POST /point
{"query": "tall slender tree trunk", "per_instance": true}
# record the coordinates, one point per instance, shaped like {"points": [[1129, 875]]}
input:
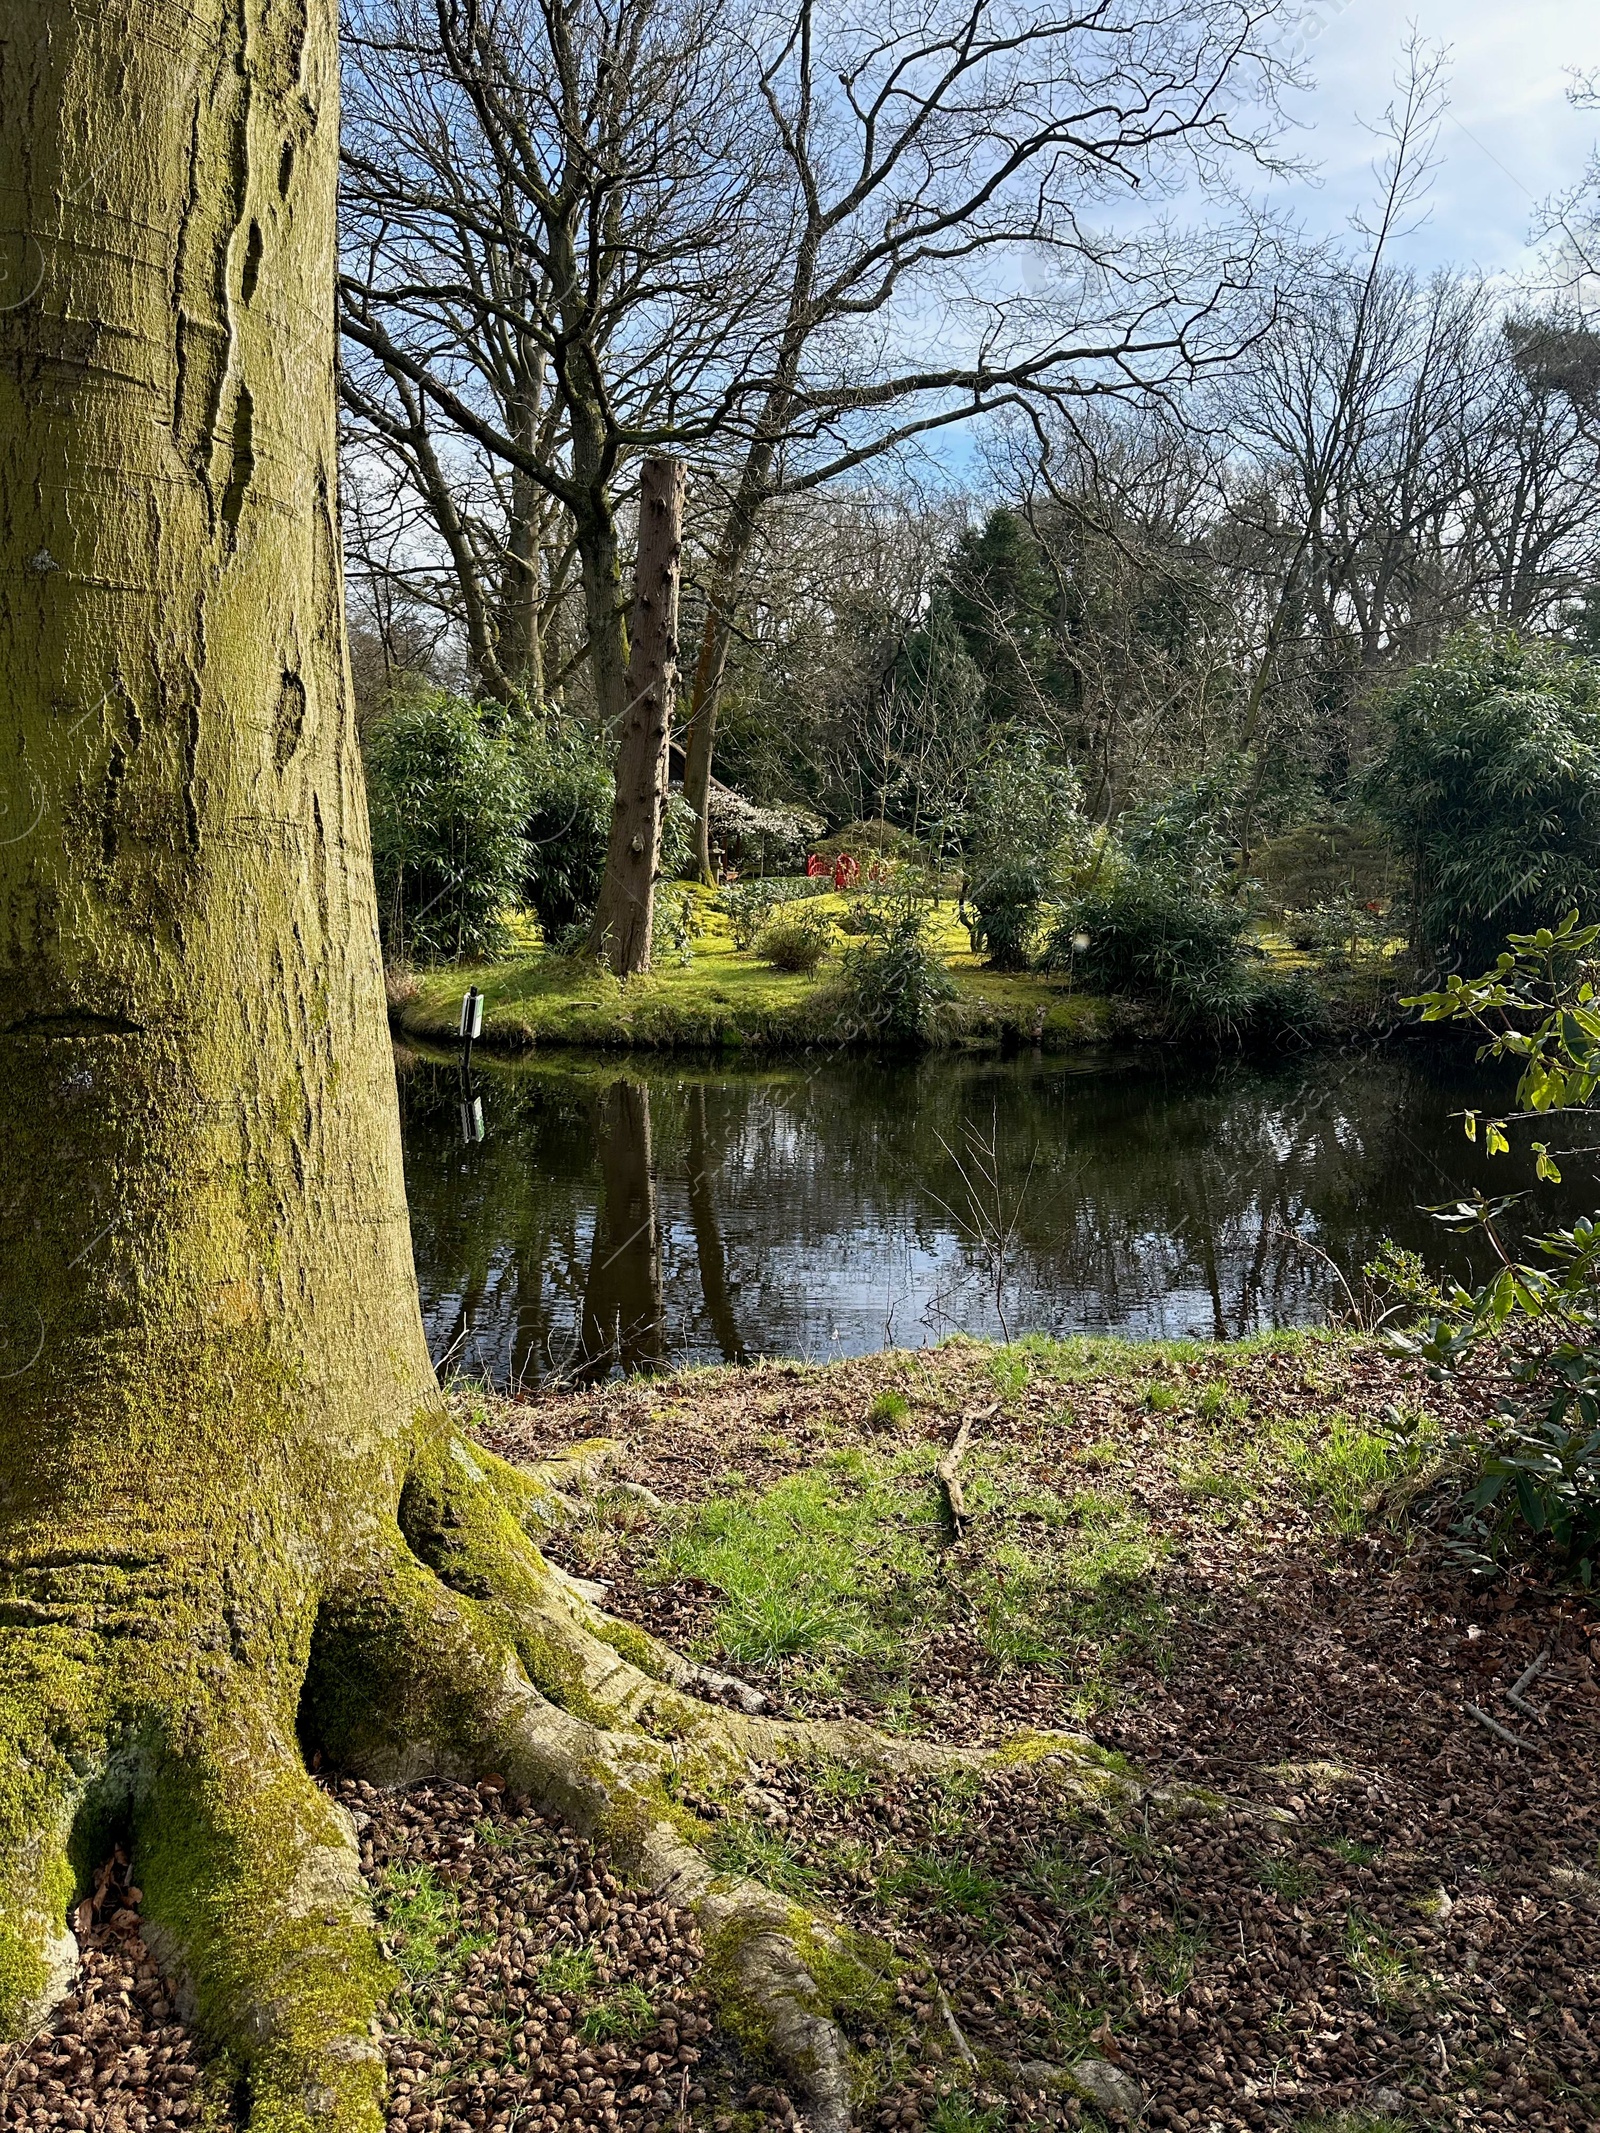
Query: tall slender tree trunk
{"points": [[711, 667], [623, 915], [520, 645]]}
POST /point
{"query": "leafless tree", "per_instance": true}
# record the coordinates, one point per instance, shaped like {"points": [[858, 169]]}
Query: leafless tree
{"points": [[931, 146], [782, 243]]}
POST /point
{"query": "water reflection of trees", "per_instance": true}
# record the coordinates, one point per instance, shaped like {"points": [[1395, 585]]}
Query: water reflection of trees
{"points": [[643, 1217]]}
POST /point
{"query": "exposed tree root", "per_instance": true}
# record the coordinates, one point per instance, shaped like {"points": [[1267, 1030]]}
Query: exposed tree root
{"points": [[450, 1646]]}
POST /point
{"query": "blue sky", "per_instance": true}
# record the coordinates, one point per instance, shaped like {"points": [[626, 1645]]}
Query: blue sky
{"points": [[1512, 136]]}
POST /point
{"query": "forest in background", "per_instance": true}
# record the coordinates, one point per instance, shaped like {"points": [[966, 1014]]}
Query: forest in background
{"points": [[1064, 546]]}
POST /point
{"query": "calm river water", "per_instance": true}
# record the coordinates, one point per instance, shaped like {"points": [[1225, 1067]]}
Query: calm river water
{"points": [[620, 1215]]}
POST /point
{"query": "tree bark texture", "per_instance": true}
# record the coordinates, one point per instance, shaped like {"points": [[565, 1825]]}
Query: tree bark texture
{"points": [[623, 915]]}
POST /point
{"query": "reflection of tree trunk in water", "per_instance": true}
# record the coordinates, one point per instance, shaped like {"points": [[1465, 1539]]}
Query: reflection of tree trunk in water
{"points": [[466, 1318], [622, 1315], [1208, 1253], [708, 1243], [1250, 1287]]}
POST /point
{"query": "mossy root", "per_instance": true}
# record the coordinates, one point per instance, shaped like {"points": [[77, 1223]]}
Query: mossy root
{"points": [[448, 1646], [254, 1901]]}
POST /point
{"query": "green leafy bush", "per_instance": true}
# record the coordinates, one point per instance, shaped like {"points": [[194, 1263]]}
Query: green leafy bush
{"points": [[1155, 933], [895, 985], [448, 802], [1335, 928], [797, 939], [1326, 862], [749, 904], [1527, 1343], [677, 838], [1489, 786], [570, 787], [1006, 907], [675, 923], [875, 839], [1023, 827]]}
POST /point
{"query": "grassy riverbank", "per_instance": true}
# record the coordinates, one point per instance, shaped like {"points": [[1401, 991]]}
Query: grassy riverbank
{"points": [[724, 997]]}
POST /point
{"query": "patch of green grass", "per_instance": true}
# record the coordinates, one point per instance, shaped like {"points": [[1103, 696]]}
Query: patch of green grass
{"points": [[1162, 1396], [1343, 1468], [1170, 1958], [741, 1846], [839, 1574], [1008, 1373], [945, 1884], [831, 1562], [1295, 1880], [1352, 1852], [1074, 1890], [1221, 1478], [1380, 1966], [725, 996], [574, 1970], [888, 1410], [839, 1781], [960, 2112], [421, 1920], [1079, 1605], [624, 2014], [1218, 1403]]}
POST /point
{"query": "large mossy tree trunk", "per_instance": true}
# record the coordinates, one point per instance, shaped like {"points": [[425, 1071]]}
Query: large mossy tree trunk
{"points": [[213, 1362]]}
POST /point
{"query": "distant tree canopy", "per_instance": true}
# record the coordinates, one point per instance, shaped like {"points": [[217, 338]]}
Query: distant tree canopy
{"points": [[1488, 785]]}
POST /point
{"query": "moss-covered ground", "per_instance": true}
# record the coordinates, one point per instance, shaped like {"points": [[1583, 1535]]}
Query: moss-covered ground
{"points": [[1348, 1906], [722, 996]]}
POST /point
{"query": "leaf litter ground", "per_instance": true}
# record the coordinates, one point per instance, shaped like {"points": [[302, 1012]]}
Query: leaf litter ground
{"points": [[1182, 1551]]}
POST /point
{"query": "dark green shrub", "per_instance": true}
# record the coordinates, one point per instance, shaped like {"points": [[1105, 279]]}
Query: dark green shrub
{"points": [[1489, 786], [1526, 1477], [1284, 1009], [448, 801], [1325, 863], [867, 839], [1152, 934], [1006, 906], [1022, 829], [895, 985], [570, 788], [796, 939]]}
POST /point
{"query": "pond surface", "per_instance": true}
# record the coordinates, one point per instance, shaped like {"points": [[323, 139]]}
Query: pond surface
{"points": [[621, 1215]]}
